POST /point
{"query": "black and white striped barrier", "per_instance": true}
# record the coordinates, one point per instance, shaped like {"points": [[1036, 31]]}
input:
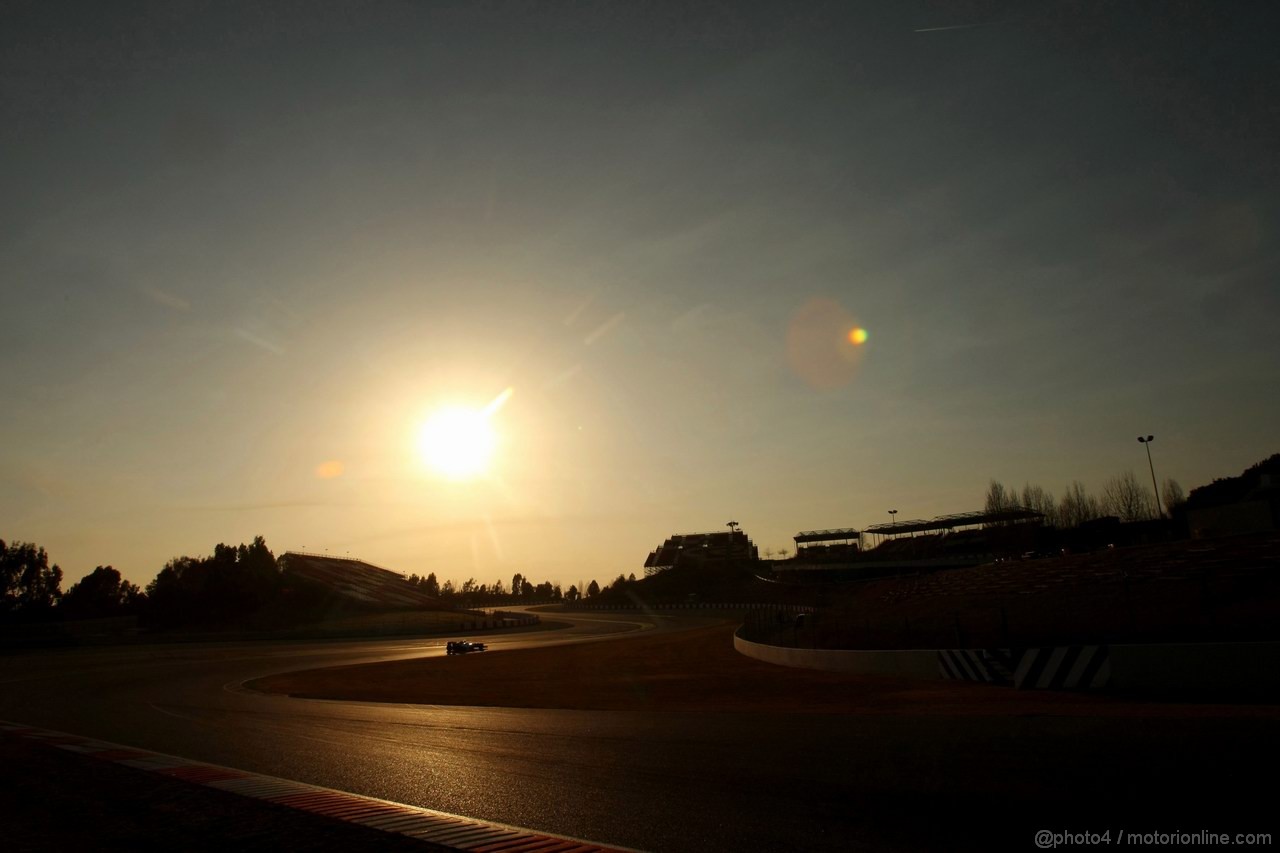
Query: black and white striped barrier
{"points": [[993, 666], [1051, 668], [1064, 668]]}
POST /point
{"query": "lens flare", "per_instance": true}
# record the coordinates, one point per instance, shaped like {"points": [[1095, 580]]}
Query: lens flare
{"points": [[824, 344], [330, 470]]}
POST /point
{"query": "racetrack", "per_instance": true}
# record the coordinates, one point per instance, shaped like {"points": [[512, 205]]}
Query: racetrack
{"points": [[666, 780]]}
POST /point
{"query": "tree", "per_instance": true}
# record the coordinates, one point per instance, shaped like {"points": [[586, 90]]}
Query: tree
{"points": [[1125, 497], [1173, 496], [572, 594], [448, 591], [517, 584], [631, 578], [226, 588], [593, 589], [998, 498], [100, 593], [1040, 500], [431, 586], [28, 584], [1077, 506]]}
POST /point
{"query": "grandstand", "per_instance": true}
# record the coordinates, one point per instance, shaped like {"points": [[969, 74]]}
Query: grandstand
{"points": [[827, 545], [701, 550], [363, 583], [958, 521], [947, 541]]}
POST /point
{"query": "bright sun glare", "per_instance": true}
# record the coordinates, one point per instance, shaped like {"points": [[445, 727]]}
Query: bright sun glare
{"points": [[458, 442]]}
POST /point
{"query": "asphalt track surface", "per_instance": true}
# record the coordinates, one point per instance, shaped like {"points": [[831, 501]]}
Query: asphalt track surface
{"points": [[664, 781]]}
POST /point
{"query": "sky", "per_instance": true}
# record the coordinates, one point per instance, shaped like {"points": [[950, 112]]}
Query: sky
{"points": [[247, 249]]}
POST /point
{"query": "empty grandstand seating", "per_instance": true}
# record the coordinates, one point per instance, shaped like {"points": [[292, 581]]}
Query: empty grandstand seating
{"points": [[359, 581]]}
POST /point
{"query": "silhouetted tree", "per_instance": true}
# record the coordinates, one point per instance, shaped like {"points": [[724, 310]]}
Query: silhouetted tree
{"points": [[998, 498], [1077, 506], [225, 588], [1125, 497], [29, 585], [1172, 495], [1228, 490], [517, 584], [431, 586], [631, 578], [1037, 498], [593, 589], [100, 593], [572, 594]]}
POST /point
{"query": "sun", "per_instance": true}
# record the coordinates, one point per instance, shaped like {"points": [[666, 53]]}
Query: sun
{"points": [[458, 442]]}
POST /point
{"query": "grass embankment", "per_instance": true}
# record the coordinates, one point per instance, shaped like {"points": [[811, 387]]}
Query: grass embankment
{"points": [[694, 670]]}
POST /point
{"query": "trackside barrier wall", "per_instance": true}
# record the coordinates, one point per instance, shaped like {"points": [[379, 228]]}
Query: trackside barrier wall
{"points": [[1196, 666], [1150, 666], [907, 663], [498, 624], [1064, 668]]}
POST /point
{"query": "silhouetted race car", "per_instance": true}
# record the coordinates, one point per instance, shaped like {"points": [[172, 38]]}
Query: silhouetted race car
{"points": [[461, 647]]}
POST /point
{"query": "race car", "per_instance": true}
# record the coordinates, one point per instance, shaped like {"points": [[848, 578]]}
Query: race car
{"points": [[461, 647]]}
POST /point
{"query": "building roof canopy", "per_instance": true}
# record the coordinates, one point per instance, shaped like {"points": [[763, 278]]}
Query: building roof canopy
{"points": [[947, 522]]}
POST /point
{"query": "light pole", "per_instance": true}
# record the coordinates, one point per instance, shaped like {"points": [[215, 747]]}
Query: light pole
{"points": [[893, 519], [1146, 442]]}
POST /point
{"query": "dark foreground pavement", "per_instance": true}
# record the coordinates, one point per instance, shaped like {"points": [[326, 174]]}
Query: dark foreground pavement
{"points": [[56, 800]]}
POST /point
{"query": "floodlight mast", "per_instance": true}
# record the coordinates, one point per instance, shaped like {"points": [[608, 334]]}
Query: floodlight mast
{"points": [[1146, 442]]}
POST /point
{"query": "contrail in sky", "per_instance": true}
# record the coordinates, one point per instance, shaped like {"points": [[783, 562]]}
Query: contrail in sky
{"points": [[960, 27]]}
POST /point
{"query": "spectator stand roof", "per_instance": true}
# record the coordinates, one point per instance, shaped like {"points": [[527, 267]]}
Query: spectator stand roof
{"points": [[950, 522], [839, 534]]}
